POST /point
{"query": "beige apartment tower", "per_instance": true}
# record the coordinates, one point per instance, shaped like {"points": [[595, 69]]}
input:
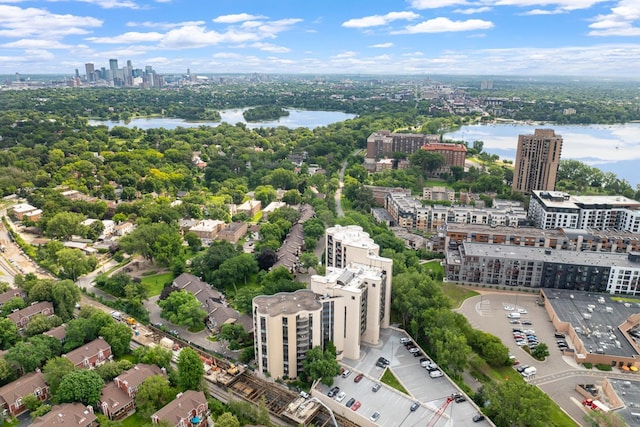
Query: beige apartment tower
{"points": [[537, 161], [286, 325]]}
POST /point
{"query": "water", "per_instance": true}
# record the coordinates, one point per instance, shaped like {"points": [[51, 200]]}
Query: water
{"points": [[611, 148], [295, 119]]}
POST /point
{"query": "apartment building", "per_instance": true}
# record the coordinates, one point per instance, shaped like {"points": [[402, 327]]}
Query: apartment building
{"points": [[539, 267], [384, 143], [286, 325], [409, 213], [537, 161], [355, 306], [439, 194], [22, 317], [453, 154], [554, 209]]}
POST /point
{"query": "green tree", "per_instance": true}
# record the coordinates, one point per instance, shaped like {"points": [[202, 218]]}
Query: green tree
{"points": [[65, 295], [234, 333], [190, 370], [427, 160], [541, 351], [227, 420], [308, 260], [513, 403], [7, 372], [236, 269], [118, 335], [8, 333], [154, 393], [84, 386], [266, 259], [73, 263], [205, 265], [31, 402], [55, 370], [154, 356], [31, 354], [41, 323], [159, 241], [183, 308], [63, 225], [265, 193], [110, 370], [321, 365], [194, 242], [16, 303]]}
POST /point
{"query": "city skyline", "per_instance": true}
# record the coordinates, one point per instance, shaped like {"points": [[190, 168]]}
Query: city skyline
{"points": [[596, 38]]}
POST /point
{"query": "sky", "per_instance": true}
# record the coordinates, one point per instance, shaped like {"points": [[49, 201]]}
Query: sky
{"points": [[598, 38]]}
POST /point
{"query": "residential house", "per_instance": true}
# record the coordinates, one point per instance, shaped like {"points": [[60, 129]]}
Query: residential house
{"points": [[22, 317], [11, 395], [21, 209], [207, 229], [210, 298], [5, 297], [271, 207], [250, 207], [60, 332], [117, 400], [123, 229], [67, 414], [233, 232], [90, 355], [187, 409]]}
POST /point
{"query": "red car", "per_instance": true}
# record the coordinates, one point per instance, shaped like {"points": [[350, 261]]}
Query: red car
{"points": [[356, 405], [358, 378]]}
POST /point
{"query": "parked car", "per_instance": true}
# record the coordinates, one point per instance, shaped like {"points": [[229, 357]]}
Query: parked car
{"points": [[418, 354], [356, 405], [558, 335], [375, 416], [478, 418], [424, 361], [358, 378], [350, 402], [405, 340], [414, 350], [333, 391], [459, 398], [430, 366], [345, 373], [414, 406], [340, 396], [436, 374], [376, 387], [383, 360]]}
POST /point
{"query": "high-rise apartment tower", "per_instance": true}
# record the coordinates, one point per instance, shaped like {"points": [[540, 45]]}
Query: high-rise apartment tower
{"points": [[537, 160]]}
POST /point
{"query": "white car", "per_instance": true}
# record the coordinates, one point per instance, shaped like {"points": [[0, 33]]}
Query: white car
{"points": [[509, 308], [414, 350], [340, 397], [436, 374], [522, 311]]}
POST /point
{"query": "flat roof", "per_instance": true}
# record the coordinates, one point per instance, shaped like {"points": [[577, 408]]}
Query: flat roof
{"points": [[562, 200], [503, 229], [600, 331], [629, 392], [284, 303], [529, 253]]}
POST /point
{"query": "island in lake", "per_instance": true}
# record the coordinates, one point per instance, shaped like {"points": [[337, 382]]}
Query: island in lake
{"points": [[264, 113]]}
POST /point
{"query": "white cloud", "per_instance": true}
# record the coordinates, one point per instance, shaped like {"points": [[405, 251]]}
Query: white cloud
{"points": [[108, 4], [234, 19], [130, 37], [620, 22], [36, 44], [382, 45], [442, 25], [31, 22], [348, 54], [268, 47], [534, 12], [378, 20], [560, 4], [191, 36], [163, 25]]}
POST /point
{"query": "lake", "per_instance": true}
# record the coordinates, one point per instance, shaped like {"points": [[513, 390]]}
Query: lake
{"points": [[611, 148], [295, 119]]}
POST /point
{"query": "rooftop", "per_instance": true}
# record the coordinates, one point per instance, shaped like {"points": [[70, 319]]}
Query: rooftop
{"points": [[557, 199], [287, 302], [599, 328], [66, 414], [529, 253]]}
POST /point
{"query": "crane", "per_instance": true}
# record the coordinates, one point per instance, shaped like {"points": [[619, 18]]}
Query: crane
{"points": [[439, 412]]}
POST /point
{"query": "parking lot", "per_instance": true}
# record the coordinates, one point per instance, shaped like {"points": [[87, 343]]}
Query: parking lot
{"points": [[395, 407], [487, 312]]}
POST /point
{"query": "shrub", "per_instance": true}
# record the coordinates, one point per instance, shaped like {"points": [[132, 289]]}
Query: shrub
{"points": [[603, 367], [588, 365]]}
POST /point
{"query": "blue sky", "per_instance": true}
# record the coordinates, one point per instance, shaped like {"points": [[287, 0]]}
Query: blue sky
{"points": [[473, 37]]}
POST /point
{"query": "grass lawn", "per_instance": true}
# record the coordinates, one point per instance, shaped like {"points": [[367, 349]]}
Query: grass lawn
{"points": [[389, 379], [156, 282], [457, 294], [128, 357], [134, 420], [10, 422], [434, 266]]}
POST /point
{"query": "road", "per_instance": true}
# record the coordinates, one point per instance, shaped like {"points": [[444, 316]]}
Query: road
{"points": [[338, 195]]}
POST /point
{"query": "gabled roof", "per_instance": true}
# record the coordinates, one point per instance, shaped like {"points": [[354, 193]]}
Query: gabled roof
{"points": [[88, 350], [67, 414], [114, 397], [180, 407], [21, 387], [5, 297], [59, 332], [29, 311], [136, 375], [202, 290]]}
